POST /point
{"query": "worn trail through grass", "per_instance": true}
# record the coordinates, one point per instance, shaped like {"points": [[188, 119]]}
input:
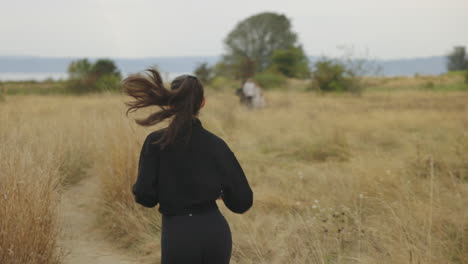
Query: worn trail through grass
{"points": [[81, 239]]}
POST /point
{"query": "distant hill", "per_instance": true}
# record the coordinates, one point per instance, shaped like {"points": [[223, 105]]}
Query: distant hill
{"points": [[426, 66], [29, 64]]}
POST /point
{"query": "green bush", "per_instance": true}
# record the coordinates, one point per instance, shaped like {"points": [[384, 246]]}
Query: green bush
{"points": [[2, 92], [223, 83], [269, 80], [334, 76], [291, 62], [457, 59], [429, 85], [108, 83], [86, 77], [204, 73], [104, 67], [80, 86]]}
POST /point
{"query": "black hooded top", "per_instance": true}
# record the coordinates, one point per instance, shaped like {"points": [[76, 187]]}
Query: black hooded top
{"points": [[188, 178]]}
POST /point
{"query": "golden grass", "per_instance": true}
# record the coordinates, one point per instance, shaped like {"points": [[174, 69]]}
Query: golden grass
{"points": [[419, 81], [337, 179], [28, 196], [28, 226], [43, 148], [381, 178]]}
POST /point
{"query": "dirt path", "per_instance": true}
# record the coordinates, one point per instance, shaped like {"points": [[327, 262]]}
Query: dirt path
{"points": [[82, 241]]}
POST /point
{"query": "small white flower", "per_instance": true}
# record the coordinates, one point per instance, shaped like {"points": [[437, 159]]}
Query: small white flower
{"points": [[314, 206]]}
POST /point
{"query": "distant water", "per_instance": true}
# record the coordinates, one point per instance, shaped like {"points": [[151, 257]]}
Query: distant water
{"points": [[41, 76], [32, 76]]}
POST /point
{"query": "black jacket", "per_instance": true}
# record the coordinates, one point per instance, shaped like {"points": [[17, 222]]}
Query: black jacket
{"points": [[189, 178]]}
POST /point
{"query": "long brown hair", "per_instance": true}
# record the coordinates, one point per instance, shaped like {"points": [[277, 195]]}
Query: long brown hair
{"points": [[182, 102]]}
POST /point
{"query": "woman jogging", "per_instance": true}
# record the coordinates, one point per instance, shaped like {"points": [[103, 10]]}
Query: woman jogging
{"points": [[184, 168]]}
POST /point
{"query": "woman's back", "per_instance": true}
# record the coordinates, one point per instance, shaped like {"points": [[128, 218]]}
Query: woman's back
{"points": [[184, 168], [188, 178]]}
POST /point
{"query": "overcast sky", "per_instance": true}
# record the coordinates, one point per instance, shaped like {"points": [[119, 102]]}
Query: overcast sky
{"points": [[150, 28]]}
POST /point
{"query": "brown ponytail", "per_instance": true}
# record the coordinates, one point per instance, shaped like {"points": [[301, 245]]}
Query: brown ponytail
{"points": [[182, 102]]}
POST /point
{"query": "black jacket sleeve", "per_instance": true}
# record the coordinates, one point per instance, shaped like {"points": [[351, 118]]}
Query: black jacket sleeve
{"points": [[145, 189], [236, 192]]}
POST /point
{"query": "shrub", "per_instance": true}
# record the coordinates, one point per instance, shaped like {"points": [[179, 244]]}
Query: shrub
{"points": [[429, 85], [108, 83], [204, 73], [334, 76], [85, 77], [291, 62], [2, 92], [104, 67], [79, 69], [222, 83], [270, 79], [80, 86], [457, 59]]}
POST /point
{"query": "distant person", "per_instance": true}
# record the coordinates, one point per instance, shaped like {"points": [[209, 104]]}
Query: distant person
{"points": [[249, 90], [185, 168], [258, 101], [252, 95]]}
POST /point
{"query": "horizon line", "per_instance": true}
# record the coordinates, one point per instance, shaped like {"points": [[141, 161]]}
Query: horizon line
{"points": [[197, 56]]}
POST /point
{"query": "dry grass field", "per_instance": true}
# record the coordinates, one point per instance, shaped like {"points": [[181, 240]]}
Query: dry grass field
{"points": [[380, 178]]}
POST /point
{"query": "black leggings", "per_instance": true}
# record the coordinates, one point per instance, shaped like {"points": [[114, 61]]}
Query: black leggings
{"points": [[203, 238]]}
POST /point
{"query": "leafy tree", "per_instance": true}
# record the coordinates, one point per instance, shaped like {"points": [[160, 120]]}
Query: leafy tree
{"points": [[104, 67], [457, 60], [79, 69], [242, 68], [291, 62], [252, 42]]}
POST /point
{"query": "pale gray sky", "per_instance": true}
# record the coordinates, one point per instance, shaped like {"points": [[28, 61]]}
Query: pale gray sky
{"points": [[149, 28]]}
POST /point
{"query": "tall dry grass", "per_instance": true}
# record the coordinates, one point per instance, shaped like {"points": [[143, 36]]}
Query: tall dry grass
{"points": [[381, 178], [448, 81], [28, 181], [337, 179], [43, 148], [28, 224]]}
